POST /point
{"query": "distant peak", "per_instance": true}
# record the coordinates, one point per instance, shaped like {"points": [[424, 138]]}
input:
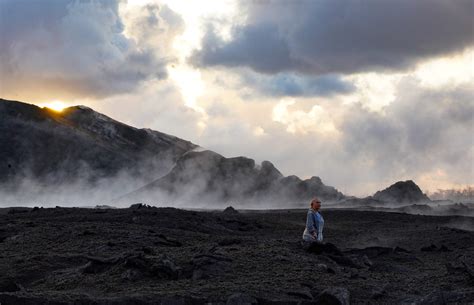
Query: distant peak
{"points": [[81, 112], [401, 191], [82, 107]]}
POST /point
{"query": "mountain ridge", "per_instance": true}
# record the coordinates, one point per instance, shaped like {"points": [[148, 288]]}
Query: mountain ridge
{"points": [[39, 142], [78, 142]]}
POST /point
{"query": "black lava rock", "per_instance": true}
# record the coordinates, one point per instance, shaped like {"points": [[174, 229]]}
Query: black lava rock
{"points": [[334, 296]]}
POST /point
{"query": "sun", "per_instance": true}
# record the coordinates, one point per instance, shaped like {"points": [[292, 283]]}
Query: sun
{"points": [[57, 106]]}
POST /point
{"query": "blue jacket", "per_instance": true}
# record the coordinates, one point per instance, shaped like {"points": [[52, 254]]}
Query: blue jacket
{"points": [[314, 224]]}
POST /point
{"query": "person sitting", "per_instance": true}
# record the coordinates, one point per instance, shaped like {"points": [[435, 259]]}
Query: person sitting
{"points": [[313, 234], [314, 223]]}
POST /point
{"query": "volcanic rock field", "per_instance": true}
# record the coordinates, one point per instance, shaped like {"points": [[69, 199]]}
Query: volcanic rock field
{"points": [[150, 255]]}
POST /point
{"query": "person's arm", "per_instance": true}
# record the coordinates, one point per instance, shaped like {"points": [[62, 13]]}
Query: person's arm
{"points": [[310, 225], [319, 227]]}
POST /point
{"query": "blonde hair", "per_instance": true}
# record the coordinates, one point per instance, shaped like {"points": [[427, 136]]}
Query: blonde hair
{"points": [[314, 200]]}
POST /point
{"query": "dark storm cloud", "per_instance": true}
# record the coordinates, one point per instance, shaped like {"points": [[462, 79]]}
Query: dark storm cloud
{"points": [[288, 84], [260, 47], [341, 36], [72, 48]]}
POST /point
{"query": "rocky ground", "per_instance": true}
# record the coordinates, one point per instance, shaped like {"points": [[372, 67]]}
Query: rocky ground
{"points": [[146, 255]]}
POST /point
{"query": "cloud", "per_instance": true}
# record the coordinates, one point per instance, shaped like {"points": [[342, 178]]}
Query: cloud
{"points": [[290, 84], [69, 49], [342, 36], [157, 105], [251, 46], [298, 121], [421, 132]]}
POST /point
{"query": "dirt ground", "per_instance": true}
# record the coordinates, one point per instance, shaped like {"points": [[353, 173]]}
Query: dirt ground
{"points": [[148, 255]]}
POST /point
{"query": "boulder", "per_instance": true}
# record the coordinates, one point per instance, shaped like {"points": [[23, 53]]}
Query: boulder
{"points": [[229, 241], [241, 299], [304, 293], [230, 210], [9, 285], [429, 248], [378, 292], [205, 266], [447, 297], [163, 240], [334, 296], [321, 248]]}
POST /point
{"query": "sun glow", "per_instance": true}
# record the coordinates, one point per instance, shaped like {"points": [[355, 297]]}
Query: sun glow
{"points": [[196, 16], [57, 106]]}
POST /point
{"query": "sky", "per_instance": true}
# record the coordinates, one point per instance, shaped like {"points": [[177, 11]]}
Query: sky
{"points": [[362, 93]]}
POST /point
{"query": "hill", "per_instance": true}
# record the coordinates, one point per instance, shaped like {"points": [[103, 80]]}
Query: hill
{"points": [[79, 143]]}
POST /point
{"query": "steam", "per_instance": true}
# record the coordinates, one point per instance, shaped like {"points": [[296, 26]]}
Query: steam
{"points": [[188, 183], [199, 179], [144, 184], [460, 195], [81, 187], [466, 224]]}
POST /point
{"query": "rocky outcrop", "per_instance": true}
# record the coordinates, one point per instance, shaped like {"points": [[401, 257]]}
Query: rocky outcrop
{"points": [[299, 190], [230, 210], [402, 192], [334, 296], [209, 177]]}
